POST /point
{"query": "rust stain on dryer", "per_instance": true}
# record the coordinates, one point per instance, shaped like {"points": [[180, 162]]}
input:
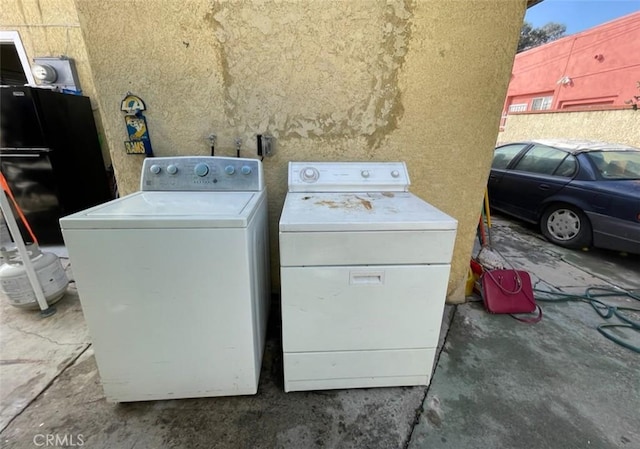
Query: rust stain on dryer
{"points": [[348, 203]]}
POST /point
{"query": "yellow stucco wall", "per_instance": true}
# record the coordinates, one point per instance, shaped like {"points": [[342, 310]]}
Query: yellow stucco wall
{"points": [[620, 126], [51, 28], [420, 81]]}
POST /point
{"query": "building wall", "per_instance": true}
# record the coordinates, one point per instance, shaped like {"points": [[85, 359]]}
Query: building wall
{"points": [[418, 81], [52, 28], [602, 65], [620, 126]]}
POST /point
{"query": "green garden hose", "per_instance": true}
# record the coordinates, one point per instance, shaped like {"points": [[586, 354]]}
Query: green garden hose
{"points": [[603, 309]]}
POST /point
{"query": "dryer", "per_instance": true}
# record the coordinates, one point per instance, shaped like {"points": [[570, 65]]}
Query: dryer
{"points": [[173, 280], [364, 272]]}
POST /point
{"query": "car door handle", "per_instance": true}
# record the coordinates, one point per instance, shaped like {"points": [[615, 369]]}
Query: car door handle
{"points": [[544, 186]]}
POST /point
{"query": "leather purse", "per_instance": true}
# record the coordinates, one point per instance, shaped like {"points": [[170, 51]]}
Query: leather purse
{"points": [[510, 292]]}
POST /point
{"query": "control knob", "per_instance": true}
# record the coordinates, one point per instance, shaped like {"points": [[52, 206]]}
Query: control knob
{"points": [[229, 169], [365, 173], [309, 174], [201, 169], [155, 169], [172, 169], [246, 170], [395, 173]]}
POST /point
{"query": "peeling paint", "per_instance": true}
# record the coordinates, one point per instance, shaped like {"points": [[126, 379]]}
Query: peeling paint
{"points": [[352, 86]]}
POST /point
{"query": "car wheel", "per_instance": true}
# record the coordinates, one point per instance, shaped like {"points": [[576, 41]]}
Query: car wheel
{"points": [[566, 226]]}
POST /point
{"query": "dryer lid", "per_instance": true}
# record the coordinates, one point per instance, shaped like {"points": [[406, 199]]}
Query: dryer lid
{"points": [[367, 211], [169, 209]]}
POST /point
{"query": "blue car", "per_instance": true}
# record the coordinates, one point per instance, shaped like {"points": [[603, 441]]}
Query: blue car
{"points": [[580, 193]]}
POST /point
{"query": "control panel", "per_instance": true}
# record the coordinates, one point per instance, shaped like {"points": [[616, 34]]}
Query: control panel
{"points": [[348, 177], [201, 173]]}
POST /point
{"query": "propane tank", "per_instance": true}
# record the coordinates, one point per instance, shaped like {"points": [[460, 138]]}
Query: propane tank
{"points": [[15, 284]]}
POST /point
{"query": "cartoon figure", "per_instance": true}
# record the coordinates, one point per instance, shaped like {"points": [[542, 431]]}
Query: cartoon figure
{"points": [[139, 142]]}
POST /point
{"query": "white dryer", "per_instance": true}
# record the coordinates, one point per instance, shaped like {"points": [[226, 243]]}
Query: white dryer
{"points": [[364, 272], [174, 282]]}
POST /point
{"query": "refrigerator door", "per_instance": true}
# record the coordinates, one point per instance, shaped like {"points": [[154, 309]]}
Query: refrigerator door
{"points": [[20, 123], [31, 178], [51, 156]]}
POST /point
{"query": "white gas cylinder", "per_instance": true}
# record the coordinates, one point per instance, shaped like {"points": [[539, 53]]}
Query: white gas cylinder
{"points": [[15, 284]]}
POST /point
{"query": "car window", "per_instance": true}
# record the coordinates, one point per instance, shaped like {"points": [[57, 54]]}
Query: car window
{"points": [[568, 167], [616, 164], [503, 155], [541, 159]]}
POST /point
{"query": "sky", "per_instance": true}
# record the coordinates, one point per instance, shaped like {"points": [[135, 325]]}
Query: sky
{"points": [[579, 15]]}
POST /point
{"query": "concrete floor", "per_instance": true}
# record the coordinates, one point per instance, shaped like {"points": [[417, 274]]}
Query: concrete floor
{"points": [[498, 383]]}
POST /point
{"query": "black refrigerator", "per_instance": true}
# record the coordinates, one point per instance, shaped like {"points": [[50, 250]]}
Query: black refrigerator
{"points": [[50, 156]]}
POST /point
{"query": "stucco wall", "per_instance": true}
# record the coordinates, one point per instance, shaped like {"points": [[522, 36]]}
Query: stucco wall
{"points": [[419, 81], [51, 28], [621, 126]]}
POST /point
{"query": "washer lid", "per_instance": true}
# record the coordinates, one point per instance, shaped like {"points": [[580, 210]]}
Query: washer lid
{"points": [[169, 210], [373, 211]]}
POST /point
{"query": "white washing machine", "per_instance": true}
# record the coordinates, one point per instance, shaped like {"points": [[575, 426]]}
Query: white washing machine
{"points": [[173, 280], [364, 272]]}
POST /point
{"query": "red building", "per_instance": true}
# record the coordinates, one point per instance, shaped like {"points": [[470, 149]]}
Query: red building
{"points": [[596, 69]]}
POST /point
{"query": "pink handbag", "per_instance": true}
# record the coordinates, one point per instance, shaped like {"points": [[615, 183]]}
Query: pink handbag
{"points": [[509, 291]]}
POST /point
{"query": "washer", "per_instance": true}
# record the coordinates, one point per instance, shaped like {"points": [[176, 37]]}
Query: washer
{"points": [[174, 282], [364, 272]]}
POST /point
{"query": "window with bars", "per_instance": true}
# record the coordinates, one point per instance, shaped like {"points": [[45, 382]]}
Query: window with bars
{"points": [[519, 107], [541, 103]]}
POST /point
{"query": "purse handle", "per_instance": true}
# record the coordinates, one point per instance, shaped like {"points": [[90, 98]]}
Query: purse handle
{"points": [[532, 301], [504, 290]]}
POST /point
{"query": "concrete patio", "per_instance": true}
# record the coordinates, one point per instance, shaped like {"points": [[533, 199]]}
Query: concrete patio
{"points": [[498, 383]]}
